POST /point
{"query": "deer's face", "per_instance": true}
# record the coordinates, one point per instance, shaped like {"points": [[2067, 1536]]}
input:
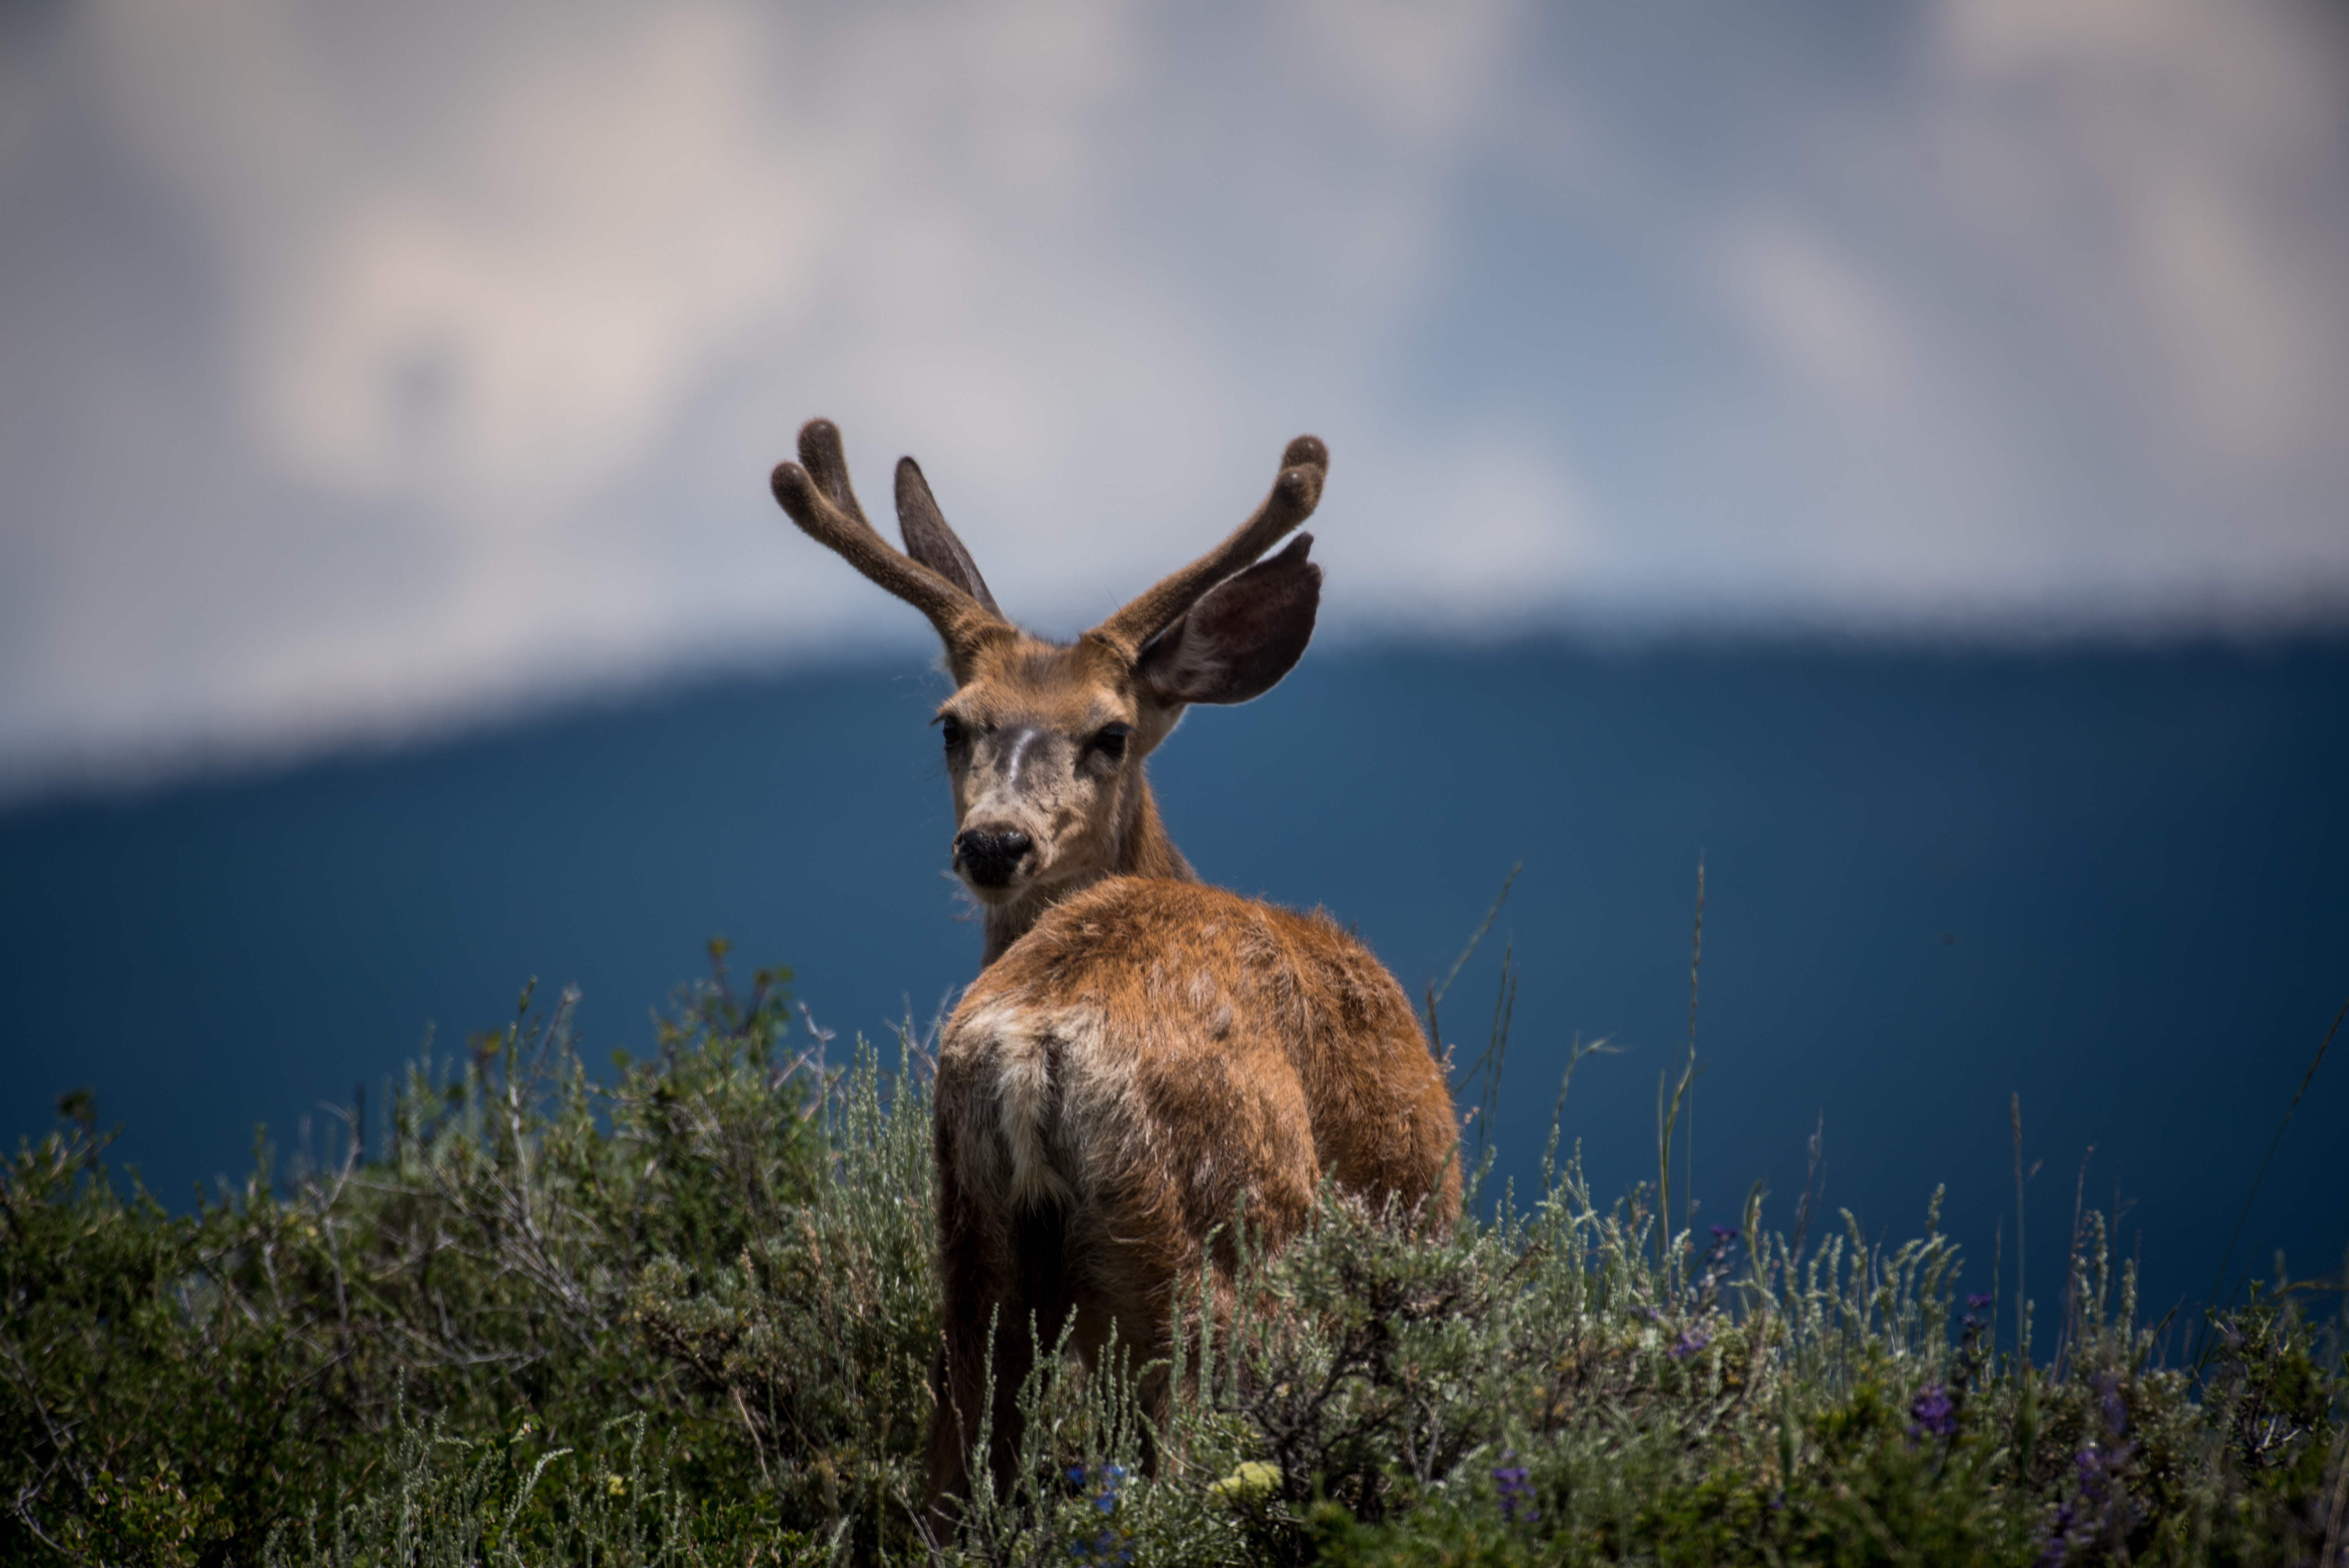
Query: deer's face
{"points": [[1044, 747], [1045, 742]]}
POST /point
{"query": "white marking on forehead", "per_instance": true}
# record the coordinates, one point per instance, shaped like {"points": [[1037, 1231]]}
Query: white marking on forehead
{"points": [[1019, 744]]}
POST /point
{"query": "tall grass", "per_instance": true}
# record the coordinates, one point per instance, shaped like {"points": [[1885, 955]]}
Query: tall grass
{"points": [[687, 1317]]}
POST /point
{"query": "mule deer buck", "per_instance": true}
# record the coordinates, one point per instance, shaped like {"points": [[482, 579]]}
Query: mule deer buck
{"points": [[1141, 1053]]}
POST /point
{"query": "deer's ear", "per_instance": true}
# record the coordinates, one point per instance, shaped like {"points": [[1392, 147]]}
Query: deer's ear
{"points": [[1241, 637]]}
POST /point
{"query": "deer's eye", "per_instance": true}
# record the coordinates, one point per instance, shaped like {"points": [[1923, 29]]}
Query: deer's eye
{"points": [[950, 730], [1110, 741]]}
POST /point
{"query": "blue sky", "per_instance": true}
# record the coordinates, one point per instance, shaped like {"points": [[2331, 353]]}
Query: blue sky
{"points": [[366, 369]]}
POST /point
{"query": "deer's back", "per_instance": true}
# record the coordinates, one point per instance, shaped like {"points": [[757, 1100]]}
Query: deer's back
{"points": [[1158, 1048]]}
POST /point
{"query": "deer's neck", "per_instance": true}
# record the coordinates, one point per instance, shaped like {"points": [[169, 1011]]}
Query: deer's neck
{"points": [[1141, 848]]}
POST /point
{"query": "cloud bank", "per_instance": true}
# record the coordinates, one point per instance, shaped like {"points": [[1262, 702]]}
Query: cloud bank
{"points": [[364, 367]]}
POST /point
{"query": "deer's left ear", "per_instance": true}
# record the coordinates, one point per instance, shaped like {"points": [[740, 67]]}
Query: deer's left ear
{"points": [[1240, 638]]}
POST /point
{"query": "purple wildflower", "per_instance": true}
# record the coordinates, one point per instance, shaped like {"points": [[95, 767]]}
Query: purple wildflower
{"points": [[1716, 1267], [1114, 1543], [2058, 1537], [1935, 1416], [1516, 1494], [2098, 1500], [1691, 1341], [1976, 1303]]}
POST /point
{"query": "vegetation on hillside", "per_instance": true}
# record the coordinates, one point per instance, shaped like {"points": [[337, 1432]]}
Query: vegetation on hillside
{"points": [[686, 1315]]}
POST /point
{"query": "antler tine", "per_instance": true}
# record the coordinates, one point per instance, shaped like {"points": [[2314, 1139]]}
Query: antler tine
{"points": [[816, 491], [1303, 468], [826, 460]]}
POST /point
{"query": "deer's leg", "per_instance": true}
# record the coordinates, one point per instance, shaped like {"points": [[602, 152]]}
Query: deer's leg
{"points": [[1122, 1296], [1005, 1295], [1139, 1262], [979, 1292], [1035, 1315], [959, 1396]]}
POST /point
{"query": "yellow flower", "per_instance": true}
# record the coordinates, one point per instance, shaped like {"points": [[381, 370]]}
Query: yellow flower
{"points": [[615, 1485], [1251, 1482]]}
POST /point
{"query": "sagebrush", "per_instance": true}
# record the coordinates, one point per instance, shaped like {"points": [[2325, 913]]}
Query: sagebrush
{"points": [[686, 1312]]}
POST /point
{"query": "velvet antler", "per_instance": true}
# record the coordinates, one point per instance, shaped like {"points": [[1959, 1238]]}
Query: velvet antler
{"points": [[1303, 468], [816, 492]]}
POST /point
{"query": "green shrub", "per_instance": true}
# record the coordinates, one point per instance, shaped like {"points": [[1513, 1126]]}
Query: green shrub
{"points": [[688, 1315], [819, 1334], [178, 1386]]}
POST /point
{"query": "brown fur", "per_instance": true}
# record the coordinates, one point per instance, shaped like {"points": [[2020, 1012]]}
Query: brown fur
{"points": [[1141, 1055], [1149, 1057]]}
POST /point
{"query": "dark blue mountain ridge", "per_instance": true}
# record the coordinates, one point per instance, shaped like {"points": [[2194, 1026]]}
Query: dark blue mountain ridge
{"points": [[2109, 881]]}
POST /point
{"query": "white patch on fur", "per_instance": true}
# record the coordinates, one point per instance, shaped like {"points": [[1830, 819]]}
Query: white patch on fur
{"points": [[1102, 1128], [1014, 1045]]}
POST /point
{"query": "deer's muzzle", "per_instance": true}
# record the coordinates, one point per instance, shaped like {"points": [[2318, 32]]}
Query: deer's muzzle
{"points": [[990, 857]]}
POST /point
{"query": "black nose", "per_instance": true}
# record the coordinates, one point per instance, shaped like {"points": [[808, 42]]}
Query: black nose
{"points": [[989, 855]]}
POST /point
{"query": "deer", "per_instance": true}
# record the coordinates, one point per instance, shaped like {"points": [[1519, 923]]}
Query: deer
{"points": [[1143, 1056]]}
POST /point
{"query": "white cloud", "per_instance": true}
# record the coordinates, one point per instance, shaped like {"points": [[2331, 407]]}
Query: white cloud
{"points": [[2050, 332], [369, 365], [1817, 311], [2178, 162]]}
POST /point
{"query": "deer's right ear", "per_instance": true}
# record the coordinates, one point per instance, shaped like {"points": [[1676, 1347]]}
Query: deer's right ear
{"points": [[929, 541], [1241, 637]]}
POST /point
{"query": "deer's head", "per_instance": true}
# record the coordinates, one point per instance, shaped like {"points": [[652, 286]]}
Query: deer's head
{"points": [[1044, 741]]}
